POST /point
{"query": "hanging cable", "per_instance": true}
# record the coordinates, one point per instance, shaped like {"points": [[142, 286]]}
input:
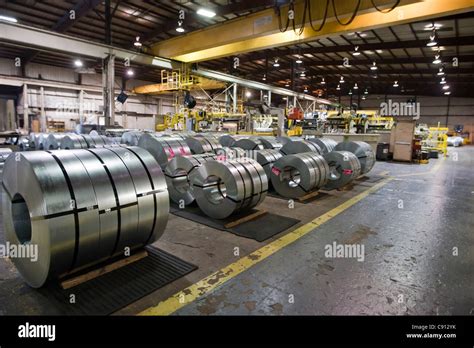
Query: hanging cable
{"points": [[388, 10], [353, 14], [324, 17]]}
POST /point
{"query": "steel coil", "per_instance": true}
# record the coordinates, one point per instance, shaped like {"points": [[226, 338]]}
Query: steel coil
{"points": [[325, 144], [230, 153], [81, 207], [362, 150], [131, 138], [177, 176], [227, 140], [200, 145], [73, 141], [266, 158], [300, 146], [344, 167], [164, 149], [53, 141], [223, 188], [250, 143], [283, 140], [296, 175], [270, 143]]}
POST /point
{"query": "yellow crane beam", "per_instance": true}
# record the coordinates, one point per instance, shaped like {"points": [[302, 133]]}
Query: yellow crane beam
{"points": [[261, 30]]}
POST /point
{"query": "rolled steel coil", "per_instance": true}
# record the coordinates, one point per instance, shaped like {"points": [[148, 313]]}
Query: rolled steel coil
{"points": [[325, 144], [296, 175], [270, 143], [223, 188], [40, 140], [283, 139], [230, 153], [200, 145], [266, 158], [344, 167], [300, 146], [53, 141], [81, 207], [164, 149], [227, 140], [131, 138], [32, 140], [96, 141], [4, 153], [177, 176], [362, 150], [73, 141], [250, 143]]}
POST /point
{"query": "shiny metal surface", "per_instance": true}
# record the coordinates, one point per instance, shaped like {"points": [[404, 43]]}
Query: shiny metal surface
{"points": [[251, 143], [300, 146], [266, 158], [53, 141], [296, 175], [362, 150], [270, 143], [73, 141], [222, 188], [344, 167], [81, 206], [230, 153], [227, 140], [177, 174], [325, 144], [131, 138], [163, 149], [202, 144]]}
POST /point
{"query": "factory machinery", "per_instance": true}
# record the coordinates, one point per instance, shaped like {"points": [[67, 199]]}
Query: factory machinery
{"points": [[102, 195]]}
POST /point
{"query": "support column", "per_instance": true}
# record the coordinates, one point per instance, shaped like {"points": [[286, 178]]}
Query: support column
{"points": [[108, 85], [43, 113], [234, 93], [81, 107], [269, 98], [26, 121], [294, 101]]}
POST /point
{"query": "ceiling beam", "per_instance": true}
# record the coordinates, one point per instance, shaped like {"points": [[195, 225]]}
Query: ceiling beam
{"points": [[261, 30], [81, 9]]}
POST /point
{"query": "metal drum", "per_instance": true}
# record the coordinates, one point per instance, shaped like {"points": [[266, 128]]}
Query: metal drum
{"points": [[73, 141], [177, 176], [266, 158], [163, 149], [300, 146], [296, 175], [200, 145], [362, 150], [81, 207], [223, 188], [344, 167], [325, 144]]}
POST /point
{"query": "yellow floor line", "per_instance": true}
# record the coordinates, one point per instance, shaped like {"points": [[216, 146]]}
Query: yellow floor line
{"points": [[218, 278], [431, 171]]}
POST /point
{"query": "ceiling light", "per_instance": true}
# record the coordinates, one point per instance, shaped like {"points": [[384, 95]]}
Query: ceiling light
{"points": [[432, 41], [366, 91], [78, 63], [264, 78], [440, 72], [350, 92], [437, 59], [303, 74], [248, 94], [276, 64], [379, 51], [432, 26], [447, 93], [338, 87], [287, 85], [298, 61], [322, 81], [355, 86], [363, 97], [306, 90], [395, 84], [443, 80], [137, 42], [179, 28], [356, 51], [446, 87], [8, 19], [369, 52], [374, 66], [342, 80], [130, 72], [206, 12]]}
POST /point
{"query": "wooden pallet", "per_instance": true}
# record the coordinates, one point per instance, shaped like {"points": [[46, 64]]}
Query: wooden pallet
{"points": [[308, 196], [82, 278], [249, 217]]}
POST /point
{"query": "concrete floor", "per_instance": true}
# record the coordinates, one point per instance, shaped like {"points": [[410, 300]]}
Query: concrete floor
{"points": [[409, 267]]}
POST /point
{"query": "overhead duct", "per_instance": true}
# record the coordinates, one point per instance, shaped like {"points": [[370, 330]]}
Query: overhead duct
{"points": [[81, 207], [223, 188], [177, 176], [297, 175], [362, 150], [344, 167], [163, 149]]}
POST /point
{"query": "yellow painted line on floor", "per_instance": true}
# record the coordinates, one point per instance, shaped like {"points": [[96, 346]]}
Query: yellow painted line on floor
{"points": [[216, 279], [431, 171]]}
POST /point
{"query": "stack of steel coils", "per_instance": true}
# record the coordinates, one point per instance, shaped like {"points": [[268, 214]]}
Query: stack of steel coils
{"points": [[300, 146], [296, 175], [362, 150], [227, 140], [53, 141], [164, 149], [230, 153], [284, 139], [266, 158], [201, 144], [131, 138], [177, 176], [344, 167], [250, 143], [270, 142], [326, 145], [4, 153], [73, 141], [81, 207], [222, 188]]}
